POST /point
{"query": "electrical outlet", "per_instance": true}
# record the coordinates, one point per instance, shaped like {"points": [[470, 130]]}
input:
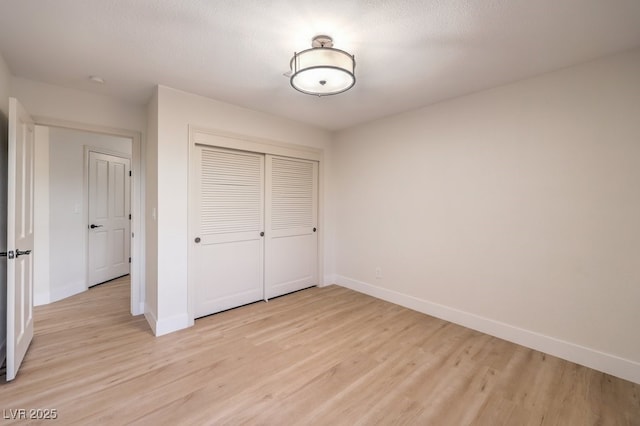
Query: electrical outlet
{"points": [[378, 272]]}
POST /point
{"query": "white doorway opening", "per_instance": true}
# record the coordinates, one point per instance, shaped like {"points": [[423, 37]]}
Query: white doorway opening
{"points": [[62, 207]]}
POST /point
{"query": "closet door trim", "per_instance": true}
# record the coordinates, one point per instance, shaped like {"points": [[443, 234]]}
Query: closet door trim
{"points": [[222, 139]]}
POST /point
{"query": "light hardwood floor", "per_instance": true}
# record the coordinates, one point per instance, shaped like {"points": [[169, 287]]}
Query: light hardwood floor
{"points": [[320, 356]]}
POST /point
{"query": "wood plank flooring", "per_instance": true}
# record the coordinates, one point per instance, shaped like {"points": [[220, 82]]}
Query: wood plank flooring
{"points": [[325, 356]]}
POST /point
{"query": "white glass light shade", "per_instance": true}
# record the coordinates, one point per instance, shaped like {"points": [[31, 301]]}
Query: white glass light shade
{"points": [[322, 71]]}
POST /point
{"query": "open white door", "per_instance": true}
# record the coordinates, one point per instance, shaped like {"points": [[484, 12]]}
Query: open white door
{"points": [[109, 219], [19, 237]]}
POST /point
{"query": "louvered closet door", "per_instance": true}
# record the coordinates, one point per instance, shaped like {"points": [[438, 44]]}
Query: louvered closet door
{"points": [[291, 240], [230, 211]]}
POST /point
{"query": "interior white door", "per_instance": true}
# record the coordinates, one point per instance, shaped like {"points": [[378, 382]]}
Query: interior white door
{"points": [[291, 245], [19, 237], [229, 220], [109, 220]]}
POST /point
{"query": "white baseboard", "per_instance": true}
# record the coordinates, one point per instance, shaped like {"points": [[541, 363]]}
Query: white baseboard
{"points": [[137, 309], [54, 295], [151, 319], [41, 298], [140, 308], [607, 363], [328, 280], [164, 326], [70, 290]]}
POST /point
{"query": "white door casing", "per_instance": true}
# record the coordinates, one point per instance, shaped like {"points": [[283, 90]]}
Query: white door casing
{"points": [[109, 217], [216, 139], [19, 236], [229, 214], [291, 239]]}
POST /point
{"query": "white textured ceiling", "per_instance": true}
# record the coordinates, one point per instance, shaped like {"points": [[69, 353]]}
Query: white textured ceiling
{"points": [[409, 53]]}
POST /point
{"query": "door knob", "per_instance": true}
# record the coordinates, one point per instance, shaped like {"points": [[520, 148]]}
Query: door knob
{"points": [[262, 234], [92, 226], [22, 252]]}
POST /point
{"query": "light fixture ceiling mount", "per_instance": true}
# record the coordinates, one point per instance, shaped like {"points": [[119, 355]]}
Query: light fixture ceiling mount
{"points": [[322, 70]]}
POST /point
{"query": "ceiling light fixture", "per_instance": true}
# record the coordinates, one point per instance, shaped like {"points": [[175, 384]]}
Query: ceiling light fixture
{"points": [[96, 79], [322, 70]]}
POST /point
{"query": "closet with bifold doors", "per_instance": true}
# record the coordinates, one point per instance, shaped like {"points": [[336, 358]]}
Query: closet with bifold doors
{"points": [[254, 220]]}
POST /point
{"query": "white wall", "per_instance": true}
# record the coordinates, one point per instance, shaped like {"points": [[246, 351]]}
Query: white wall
{"points": [[176, 111], [60, 103], [151, 204], [41, 218], [5, 82], [67, 209], [515, 211], [5, 79]]}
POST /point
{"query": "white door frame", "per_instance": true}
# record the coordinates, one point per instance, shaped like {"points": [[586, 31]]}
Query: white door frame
{"points": [[137, 195], [85, 189], [221, 139]]}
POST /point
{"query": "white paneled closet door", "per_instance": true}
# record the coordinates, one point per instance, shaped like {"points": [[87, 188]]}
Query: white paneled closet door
{"points": [[229, 247], [291, 240]]}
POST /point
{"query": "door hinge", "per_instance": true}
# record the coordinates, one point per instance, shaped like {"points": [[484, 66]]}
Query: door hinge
{"points": [[129, 172], [129, 217], [8, 254], [129, 260]]}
